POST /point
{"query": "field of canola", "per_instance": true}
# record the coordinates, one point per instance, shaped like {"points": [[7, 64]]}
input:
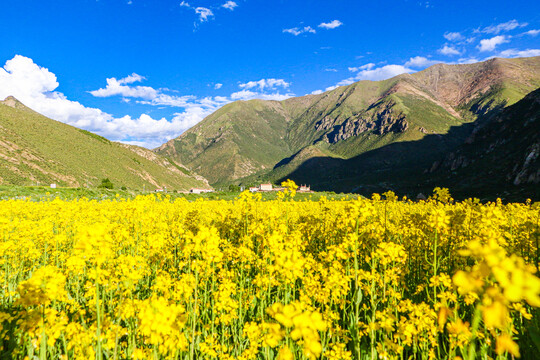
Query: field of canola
{"points": [[380, 278]]}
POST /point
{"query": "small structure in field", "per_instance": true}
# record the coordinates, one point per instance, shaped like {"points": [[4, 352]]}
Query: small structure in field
{"points": [[159, 190], [53, 186], [200, 191], [254, 189], [304, 188], [265, 187]]}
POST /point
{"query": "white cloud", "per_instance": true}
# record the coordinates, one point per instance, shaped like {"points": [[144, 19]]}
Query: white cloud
{"points": [[130, 79], [298, 31], [532, 32], [316, 92], [331, 25], [453, 36], [467, 60], [420, 61], [230, 5], [363, 67], [118, 87], [512, 53], [250, 95], [448, 50], [373, 73], [382, 73], [330, 70], [35, 87], [507, 26], [204, 13], [265, 83], [218, 86], [491, 44]]}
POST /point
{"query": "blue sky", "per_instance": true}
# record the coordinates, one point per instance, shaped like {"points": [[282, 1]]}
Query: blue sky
{"points": [[143, 71]]}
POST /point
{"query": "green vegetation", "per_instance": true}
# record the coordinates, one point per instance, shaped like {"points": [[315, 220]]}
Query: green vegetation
{"points": [[38, 150], [39, 193], [368, 136], [106, 184]]}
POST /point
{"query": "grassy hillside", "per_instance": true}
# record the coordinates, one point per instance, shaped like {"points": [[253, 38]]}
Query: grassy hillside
{"points": [[241, 138], [35, 149], [252, 140]]}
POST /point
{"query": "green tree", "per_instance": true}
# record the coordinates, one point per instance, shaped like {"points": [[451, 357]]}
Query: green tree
{"points": [[106, 184]]}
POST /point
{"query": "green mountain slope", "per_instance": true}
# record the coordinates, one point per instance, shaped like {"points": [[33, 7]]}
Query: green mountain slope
{"points": [[238, 140], [257, 140], [36, 149]]}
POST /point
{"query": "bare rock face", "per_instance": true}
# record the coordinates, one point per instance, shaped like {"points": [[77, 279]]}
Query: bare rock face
{"points": [[325, 124], [12, 102], [380, 120], [529, 173]]}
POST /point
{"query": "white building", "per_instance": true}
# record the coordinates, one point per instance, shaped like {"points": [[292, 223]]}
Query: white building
{"points": [[265, 187], [199, 191]]}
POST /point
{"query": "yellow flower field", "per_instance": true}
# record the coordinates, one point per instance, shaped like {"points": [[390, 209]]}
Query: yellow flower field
{"points": [[156, 278]]}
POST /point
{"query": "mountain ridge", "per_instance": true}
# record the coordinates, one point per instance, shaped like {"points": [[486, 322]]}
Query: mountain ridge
{"points": [[36, 149], [351, 120]]}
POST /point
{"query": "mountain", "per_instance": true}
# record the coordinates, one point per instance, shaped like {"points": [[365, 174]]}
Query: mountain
{"points": [[501, 156], [356, 136], [35, 149]]}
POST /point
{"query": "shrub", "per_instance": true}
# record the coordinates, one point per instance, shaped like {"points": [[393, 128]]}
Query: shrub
{"points": [[106, 184]]}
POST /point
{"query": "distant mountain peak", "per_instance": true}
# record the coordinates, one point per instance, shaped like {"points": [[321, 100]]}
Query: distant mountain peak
{"points": [[11, 101]]}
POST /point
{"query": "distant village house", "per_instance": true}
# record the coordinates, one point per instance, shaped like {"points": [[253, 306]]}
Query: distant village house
{"points": [[269, 187], [265, 187], [304, 188], [199, 191]]}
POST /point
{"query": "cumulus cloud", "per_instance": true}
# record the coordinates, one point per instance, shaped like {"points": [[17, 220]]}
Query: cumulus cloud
{"points": [[330, 70], [298, 31], [218, 86], [453, 36], [507, 26], [382, 73], [230, 5], [331, 25], [120, 87], [420, 61], [512, 53], [448, 50], [492, 43], [371, 72], [265, 83], [35, 86]]}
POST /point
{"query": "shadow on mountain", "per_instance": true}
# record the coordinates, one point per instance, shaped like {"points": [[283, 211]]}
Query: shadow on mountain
{"points": [[286, 160], [414, 167]]}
